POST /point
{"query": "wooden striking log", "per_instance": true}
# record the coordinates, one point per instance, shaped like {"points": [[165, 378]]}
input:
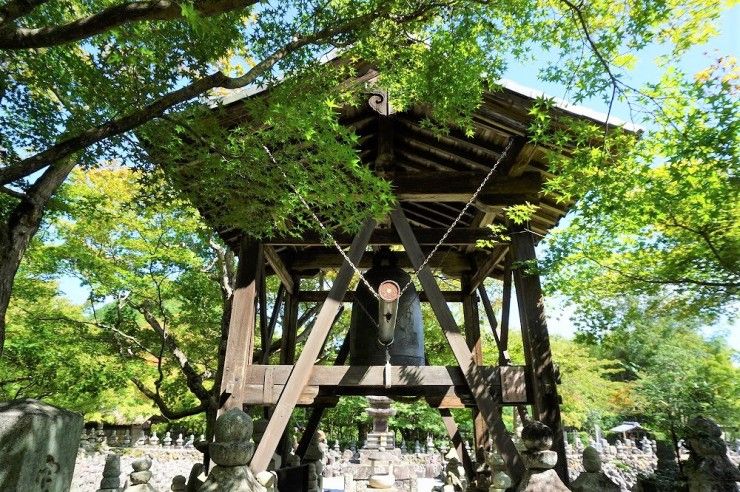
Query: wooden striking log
{"points": [[302, 370], [389, 237], [462, 354], [537, 342], [240, 341]]}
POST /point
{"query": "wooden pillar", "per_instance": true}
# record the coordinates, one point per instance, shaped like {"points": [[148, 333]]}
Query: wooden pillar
{"points": [[471, 319], [240, 341], [290, 324], [537, 341], [303, 367]]}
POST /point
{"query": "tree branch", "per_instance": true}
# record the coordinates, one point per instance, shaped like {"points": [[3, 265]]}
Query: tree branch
{"points": [[107, 19], [192, 376], [155, 109], [15, 9], [167, 412]]}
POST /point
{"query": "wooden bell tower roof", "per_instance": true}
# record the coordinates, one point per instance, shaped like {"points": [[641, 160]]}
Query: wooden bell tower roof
{"points": [[433, 177]]}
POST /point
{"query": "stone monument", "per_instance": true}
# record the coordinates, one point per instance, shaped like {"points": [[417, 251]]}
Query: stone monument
{"points": [[380, 411], [314, 458], [231, 451], [708, 468], [539, 460], [593, 479], [38, 446], [138, 480], [111, 474]]}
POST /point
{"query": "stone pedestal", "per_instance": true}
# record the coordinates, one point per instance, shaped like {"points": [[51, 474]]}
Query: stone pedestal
{"points": [[380, 411], [539, 460], [38, 446]]}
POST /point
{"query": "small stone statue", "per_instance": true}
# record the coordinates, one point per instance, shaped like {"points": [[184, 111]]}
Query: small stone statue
{"points": [[314, 458], [179, 484], [417, 447], [111, 474], [231, 451], [708, 468], [593, 479], [179, 441], [500, 480], [539, 460], [455, 473], [126, 438], [153, 439], [138, 480], [167, 441]]}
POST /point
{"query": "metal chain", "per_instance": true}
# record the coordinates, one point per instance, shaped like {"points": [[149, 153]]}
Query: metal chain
{"points": [[324, 229], [328, 234], [460, 215]]}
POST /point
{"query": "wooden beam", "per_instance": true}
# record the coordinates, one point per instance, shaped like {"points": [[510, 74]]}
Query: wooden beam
{"points": [[459, 348], [321, 258], [454, 432], [240, 340], [389, 237], [503, 355], [517, 144], [319, 296], [486, 267], [447, 385], [459, 186], [278, 266], [301, 372], [537, 341]]}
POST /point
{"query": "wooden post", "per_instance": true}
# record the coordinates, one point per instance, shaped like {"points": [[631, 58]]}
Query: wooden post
{"points": [[302, 370], [240, 341], [454, 432], [290, 324], [471, 319], [503, 354], [536, 341], [506, 305], [464, 357]]}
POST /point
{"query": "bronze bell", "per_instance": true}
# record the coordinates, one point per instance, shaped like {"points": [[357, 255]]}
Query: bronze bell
{"points": [[366, 336]]}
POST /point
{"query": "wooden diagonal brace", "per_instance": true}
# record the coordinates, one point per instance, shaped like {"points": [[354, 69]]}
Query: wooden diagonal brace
{"points": [[464, 357], [302, 370]]}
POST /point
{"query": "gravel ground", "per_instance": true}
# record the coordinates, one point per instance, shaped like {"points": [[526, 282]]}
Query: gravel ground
{"points": [[166, 464]]}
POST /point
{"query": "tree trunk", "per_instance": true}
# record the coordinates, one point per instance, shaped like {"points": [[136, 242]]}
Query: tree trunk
{"points": [[19, 228]]}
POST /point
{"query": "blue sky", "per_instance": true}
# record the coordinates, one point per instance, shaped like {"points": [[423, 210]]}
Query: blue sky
{"points": [[698, 58]]}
